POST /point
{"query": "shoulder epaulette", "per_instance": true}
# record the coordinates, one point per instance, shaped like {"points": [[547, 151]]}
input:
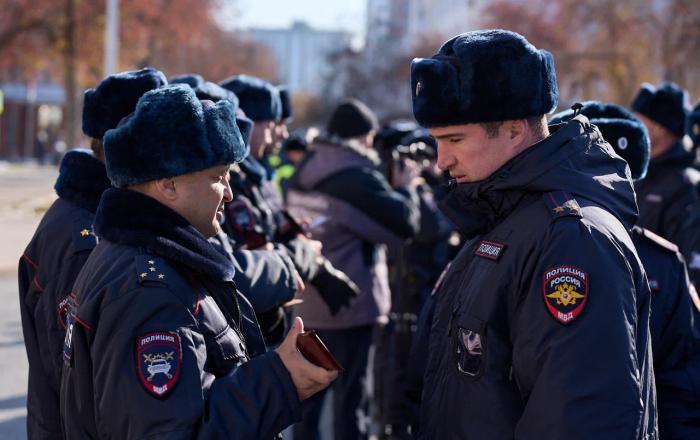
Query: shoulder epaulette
{"points": [[561, 204], [150, 269], [84, 238], [659, 240]]}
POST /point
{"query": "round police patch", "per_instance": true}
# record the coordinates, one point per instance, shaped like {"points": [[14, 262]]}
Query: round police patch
{"points": [[565, 290], [158, 362]]}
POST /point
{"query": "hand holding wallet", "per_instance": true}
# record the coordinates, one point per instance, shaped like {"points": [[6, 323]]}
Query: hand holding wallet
{"points": [[316, 352]]}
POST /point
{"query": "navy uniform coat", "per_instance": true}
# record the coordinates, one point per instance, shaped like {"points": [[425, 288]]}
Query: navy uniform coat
{"points": [[47, 269], [541, 324], [675, 341], [160, 343]]}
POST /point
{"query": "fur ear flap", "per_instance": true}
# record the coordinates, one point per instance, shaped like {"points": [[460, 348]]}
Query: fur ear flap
{"points": [[483, 76], [436, 92]]}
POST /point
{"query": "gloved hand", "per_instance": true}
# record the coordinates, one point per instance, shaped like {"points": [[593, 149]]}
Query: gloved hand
{"points": [[335, 288]]}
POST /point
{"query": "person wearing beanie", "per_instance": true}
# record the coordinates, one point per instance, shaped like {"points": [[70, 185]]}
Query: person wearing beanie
{"points": [[666, 194], [540, 325], [675, 343], [159, 341], [339, 188], [62, 243]]}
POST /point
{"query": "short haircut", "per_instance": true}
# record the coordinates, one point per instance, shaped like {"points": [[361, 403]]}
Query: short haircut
{"points": [[537, 125]]}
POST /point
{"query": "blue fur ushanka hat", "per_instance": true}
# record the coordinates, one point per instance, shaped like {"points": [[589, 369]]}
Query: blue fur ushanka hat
{"points": [[665, 105], [286, 103], [621, 129], [171, 133], [259, 99], [693, 124], [483, 76], [115, 98], [205, 89]]}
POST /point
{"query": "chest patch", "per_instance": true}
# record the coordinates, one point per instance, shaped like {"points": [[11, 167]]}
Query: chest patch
{"points": [[490, 250], [158, 362], [565, 290], [240, 216]]}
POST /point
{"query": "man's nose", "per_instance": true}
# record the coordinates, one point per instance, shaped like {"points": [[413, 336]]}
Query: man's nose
{"points": [[445, 159]]}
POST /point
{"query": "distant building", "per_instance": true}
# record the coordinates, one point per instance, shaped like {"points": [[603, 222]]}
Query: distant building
{"points": [[405, 24], [30, 120], [302, 54]]}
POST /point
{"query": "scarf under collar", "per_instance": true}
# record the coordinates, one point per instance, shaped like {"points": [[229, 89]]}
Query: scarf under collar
{"points": [[131, 218]]}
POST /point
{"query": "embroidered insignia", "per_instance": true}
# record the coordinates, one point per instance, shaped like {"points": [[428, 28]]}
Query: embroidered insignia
{"points": [[565, 290], [158, 362], [68, 341], [562, 204], [489, 249], [468, 351], [83, 239]]}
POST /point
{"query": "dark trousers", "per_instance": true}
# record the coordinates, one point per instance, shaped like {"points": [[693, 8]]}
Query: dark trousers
{"points": [[350, 347]]}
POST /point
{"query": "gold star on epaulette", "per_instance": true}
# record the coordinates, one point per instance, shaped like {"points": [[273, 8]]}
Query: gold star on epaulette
{"points": [[161, 276], [152, 269], [84, 232], [144, 274], [559, 209]]}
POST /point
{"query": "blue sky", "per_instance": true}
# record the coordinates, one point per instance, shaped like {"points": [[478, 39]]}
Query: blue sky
{"points": [[347, 15]]}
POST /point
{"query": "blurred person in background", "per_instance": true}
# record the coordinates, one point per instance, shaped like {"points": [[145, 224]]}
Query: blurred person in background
{"points": [[339, 187], [666, 194], [256, 216]]}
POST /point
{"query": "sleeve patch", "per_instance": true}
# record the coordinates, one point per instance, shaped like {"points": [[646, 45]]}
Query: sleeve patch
{"points": [[158, 362], [561, 204], [565, 292]]}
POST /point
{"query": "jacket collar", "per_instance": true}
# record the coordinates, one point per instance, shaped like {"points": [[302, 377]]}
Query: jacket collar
{"points": [[82, 179], [573, 158], [134, 219]]}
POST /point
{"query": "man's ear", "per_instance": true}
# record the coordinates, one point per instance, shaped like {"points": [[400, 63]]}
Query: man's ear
{"points": [[517, 131], [167, 188]]}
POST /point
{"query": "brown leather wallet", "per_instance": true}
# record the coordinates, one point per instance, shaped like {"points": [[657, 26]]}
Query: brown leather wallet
{"points": [[316, 352]]}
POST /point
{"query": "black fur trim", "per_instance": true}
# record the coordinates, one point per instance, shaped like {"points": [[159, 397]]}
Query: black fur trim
{"points": [[82, 179], [134, 219]]}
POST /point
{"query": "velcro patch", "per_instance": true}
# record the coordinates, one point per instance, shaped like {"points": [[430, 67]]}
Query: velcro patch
{"points": [[565, 292], [490, 250], [158, 362]]}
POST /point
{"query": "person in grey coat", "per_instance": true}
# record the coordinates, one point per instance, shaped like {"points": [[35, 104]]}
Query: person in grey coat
{"points": [[339, 188]]}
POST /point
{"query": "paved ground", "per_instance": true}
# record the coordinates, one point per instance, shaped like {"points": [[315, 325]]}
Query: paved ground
{"points": [[25, 192]]}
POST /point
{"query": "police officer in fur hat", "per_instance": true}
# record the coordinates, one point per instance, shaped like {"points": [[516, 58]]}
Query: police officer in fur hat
{"points": [[540, 327], [256, 216], [675, 343], [160, 343], [267, 277], [667, 192], [63, 241]]}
